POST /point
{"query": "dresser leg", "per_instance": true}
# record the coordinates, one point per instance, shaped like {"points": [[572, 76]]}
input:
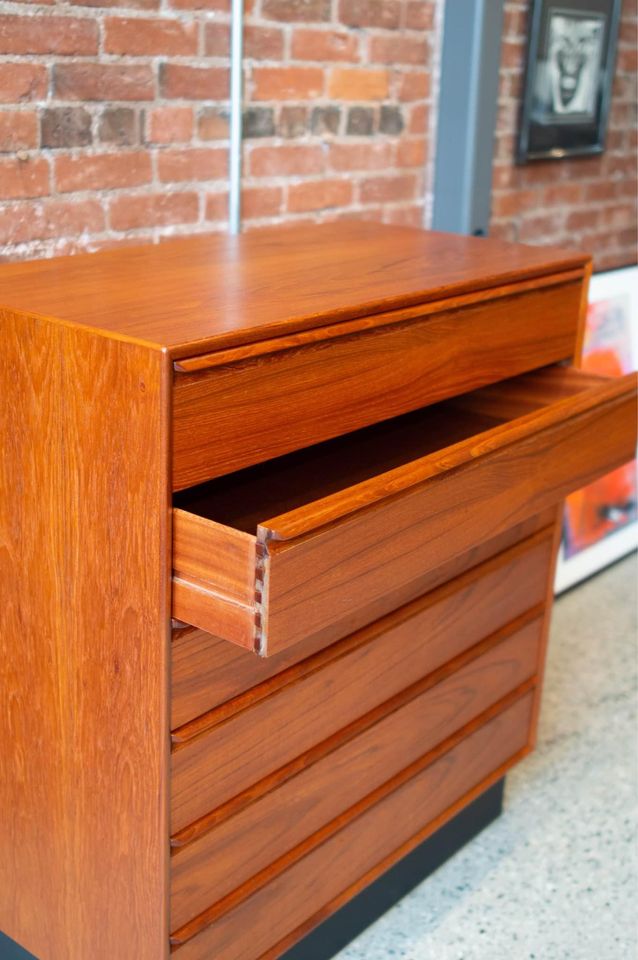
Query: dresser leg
{"points": [[352, 919]]}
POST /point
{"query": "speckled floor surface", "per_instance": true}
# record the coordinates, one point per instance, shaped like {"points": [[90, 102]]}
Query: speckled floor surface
{"points": [[556, 877]]}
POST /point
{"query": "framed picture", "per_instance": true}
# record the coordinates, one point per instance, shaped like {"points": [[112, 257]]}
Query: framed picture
{"points": [[570, 70], [601, 520]]}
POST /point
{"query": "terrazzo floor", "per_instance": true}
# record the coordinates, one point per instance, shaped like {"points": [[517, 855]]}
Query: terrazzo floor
{"points": [[556, 877]]}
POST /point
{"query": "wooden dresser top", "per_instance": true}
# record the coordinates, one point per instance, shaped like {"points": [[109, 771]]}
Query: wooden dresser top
{"points": [[199, 294]]}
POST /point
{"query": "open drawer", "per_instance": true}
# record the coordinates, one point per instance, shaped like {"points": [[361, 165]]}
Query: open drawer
{"points": [[355, 518]]}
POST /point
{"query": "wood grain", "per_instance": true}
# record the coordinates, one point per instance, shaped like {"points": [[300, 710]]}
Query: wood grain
{"points": [[388, 530], [207, 671], [491, 487], [218, 765], [238, 414], [425, 632], [556, 397], [259, 348], [84, 577], [236, 849], [202, 293], [303, 894]]}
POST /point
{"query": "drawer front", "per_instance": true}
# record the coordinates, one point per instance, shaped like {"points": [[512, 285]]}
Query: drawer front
{"points": [[359, 676], [239, 413], [318, 565], [317, 882], [207, 672], [236, 849]]}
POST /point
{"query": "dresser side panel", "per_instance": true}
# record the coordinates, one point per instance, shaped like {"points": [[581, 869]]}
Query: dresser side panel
{"points": [[84, 601]]}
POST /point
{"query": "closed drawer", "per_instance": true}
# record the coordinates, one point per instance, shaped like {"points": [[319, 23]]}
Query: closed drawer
{"points": [[246, 405], [258, 745], [221, 679], [282, 551], [321, 879], [254, 836]]}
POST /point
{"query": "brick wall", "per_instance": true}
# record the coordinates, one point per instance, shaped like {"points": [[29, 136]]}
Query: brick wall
{"points": [[113, 118], [583, 202], [113, 124]]}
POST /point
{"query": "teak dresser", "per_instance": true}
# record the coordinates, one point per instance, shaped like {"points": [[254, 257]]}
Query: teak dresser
{"points": [[278, 522]]}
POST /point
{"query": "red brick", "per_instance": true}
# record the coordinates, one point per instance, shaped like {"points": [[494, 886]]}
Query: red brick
{"points": [[18, 130], [147, 38], [628, 188], [295, 11], [120, 126], [376, 155], [133, 4], [512, 204], [217, 39], [60, 35], [514, 23], [411, 153], [504, 231], [169, 125], [419, 15], [104, 171], [133, 211], [324, 45], [22, 222], [419, 118], [22, 81], [259, 202], [398, 49], [370, 13], [414, 85], [212, 124], [23, 178], [263, 43], [617, 216], [627, 60], [319, 195], [287, 83], [387, 189], [101, 81], [193, 83], [614, 166], [503, 176], [369, 214], [562, 194], [201, 163], [217, 206], [408, 216], [353, 84], [65, 127], [222, 6], [285, 160], [260, 43], [539, 228], [513, 53]]}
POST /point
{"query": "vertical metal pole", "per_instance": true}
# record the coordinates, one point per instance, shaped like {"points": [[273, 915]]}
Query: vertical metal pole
{"points": [[236, 77], [468, 103]]}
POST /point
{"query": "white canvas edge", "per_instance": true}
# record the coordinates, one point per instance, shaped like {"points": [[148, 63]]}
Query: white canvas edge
{"points": [[623, 541]]}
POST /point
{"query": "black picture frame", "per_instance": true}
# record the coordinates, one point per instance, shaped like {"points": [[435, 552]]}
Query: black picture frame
{"points": [[571, 61]]}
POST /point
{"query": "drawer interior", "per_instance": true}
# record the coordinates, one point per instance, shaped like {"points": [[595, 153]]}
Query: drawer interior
{"points": [[296, 546], [245, 499]]}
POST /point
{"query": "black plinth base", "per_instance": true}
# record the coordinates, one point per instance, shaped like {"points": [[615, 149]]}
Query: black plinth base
{"points": [[337, 931], [353, 918]]}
